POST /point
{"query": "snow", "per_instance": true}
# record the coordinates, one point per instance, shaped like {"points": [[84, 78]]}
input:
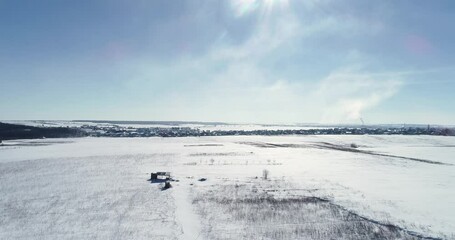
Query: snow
{"points": [[98, 188], [185, 213]]}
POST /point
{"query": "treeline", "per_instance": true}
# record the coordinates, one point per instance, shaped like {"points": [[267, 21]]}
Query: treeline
{"points": [[14, 131]]}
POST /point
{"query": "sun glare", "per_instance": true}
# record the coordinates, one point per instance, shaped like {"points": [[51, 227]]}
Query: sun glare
{"points": [[244, 7]]}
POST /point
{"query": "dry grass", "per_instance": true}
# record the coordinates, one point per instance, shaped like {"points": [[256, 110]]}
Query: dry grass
{"points": [[247, 212]]}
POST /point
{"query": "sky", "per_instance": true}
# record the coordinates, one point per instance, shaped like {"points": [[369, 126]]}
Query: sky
{"points": [[243, 61]]}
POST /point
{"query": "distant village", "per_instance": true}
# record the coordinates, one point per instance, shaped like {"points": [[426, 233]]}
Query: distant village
{"points": [[16, 131], [118, 131]]}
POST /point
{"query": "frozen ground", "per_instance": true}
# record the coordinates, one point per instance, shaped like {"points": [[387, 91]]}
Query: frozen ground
{"points": [[98, 188]]}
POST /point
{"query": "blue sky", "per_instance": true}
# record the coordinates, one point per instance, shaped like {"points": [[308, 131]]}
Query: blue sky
{"points": [[270, 61]]}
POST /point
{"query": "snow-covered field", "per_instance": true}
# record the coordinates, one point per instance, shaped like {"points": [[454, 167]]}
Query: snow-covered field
{"points": [[97, 187]]}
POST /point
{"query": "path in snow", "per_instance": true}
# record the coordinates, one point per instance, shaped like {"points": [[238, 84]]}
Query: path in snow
{"points": [[185, 215]]}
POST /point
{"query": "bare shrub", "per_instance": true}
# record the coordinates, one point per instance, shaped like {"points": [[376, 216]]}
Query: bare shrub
{"points": [[265, 174]]}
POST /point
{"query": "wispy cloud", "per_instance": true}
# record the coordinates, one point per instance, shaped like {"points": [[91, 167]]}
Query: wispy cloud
{"points": [[341, 96], [267, 36], [241, 88], [234, 60], [346, 94]]}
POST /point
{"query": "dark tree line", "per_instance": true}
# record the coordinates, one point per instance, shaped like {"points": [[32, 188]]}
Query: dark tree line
{"points": [[14, 131]]}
